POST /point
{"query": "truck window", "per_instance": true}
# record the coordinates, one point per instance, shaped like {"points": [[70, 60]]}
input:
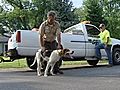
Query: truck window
{"points": [[75, 30], [92, 31]]}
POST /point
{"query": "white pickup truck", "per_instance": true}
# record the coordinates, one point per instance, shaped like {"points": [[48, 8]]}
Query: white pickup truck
{"points": [[80, 38]]}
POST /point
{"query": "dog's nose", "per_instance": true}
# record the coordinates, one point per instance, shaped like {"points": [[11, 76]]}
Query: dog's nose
{"points": [[72, 52]]}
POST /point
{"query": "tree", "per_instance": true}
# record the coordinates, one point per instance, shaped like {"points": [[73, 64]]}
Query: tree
{"points": [[94, 11], [104, 11], [80, 13], [16, 18], [112, 15], [65, 12], [25, 14]]}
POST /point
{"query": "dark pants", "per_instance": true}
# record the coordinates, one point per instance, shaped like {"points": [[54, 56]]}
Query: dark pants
{"points": [[107, 49], [50, 46]]}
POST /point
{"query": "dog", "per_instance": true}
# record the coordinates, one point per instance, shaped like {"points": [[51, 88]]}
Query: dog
{"points": [[51, 61], [39, 58], [54, 57]]}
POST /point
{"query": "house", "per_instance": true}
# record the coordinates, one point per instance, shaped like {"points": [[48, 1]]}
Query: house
{"points": [[3, 44]]}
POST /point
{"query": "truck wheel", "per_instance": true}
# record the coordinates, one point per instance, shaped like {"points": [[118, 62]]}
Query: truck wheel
{"points": [[92, 62], [30, 61], [116, 56]]}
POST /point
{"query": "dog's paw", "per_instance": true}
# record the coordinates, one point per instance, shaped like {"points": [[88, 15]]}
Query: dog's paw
{"points": [[40, 74], [52, 73], [45, 75]]}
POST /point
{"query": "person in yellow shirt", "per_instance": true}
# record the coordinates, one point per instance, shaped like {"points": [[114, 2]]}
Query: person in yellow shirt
{"points": [[105, 43]]}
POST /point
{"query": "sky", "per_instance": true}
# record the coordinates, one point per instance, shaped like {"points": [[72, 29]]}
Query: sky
{"points": [[77, 3]]}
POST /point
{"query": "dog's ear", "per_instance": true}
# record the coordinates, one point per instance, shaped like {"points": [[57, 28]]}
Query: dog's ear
{"points": [[65, 50]]}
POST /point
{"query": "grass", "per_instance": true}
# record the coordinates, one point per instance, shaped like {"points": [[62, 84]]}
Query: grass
{"points": [[21, 63], [80, 62], [74, 62]]}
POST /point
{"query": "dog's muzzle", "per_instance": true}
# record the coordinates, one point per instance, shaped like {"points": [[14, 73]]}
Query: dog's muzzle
{"points": [[68, 55]]}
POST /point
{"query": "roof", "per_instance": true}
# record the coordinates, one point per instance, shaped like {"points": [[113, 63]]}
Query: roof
{"points": [[3, 39]]}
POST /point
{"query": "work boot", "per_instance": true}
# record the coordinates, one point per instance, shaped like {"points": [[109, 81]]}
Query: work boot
{"points": [[109, 65], [60, 72]]}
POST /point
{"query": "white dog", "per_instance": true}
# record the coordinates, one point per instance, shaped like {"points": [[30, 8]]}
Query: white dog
{"points": [[51, 61], [39, 58], [54, 57]]}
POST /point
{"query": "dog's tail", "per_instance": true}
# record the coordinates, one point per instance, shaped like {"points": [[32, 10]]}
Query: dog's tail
{"points": [[35, 60]]}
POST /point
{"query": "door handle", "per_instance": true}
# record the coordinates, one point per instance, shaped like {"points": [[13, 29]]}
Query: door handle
{"points": [[90, 40]]}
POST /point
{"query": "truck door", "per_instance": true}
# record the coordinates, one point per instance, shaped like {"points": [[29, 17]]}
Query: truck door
{"points": [[92, 33], [73, 38]]}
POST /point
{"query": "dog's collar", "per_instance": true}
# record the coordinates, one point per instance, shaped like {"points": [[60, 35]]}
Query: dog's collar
{"points": [[60, 53]]}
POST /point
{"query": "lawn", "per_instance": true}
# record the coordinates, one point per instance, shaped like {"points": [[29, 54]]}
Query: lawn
{"points": [[21, 63]]}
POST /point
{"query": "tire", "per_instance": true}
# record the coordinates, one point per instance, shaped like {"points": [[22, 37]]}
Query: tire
{"points": [[30, 61], [116, 56], [92, 62]]}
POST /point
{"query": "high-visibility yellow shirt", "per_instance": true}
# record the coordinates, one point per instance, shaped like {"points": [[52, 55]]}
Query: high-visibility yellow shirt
{"points": [[103, 37]]}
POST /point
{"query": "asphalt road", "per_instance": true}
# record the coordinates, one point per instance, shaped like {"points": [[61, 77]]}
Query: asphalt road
{"points": [[80, 78]]}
